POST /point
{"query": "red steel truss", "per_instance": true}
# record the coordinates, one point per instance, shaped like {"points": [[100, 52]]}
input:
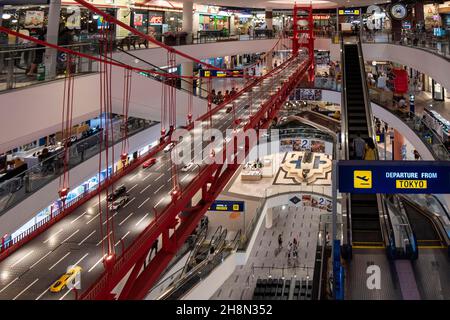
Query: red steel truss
{"points": [[303, 34]]}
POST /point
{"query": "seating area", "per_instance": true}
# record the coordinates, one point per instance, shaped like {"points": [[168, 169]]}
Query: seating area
{"points": [[279, 289]]}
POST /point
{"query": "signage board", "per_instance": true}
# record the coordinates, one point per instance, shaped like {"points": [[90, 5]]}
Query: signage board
{"points": [[22, 2], [349, 12], [228, 206], [205, 73], [394, 176]]}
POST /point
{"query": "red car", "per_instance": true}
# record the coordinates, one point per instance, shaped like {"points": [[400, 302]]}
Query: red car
{"points": [[149, 163]]}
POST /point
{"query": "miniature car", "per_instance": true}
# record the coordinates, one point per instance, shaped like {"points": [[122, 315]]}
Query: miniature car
{"points": [[117, 193], [149, 163], [169, 147], [119, 203], [187, 167], [61, 283]]}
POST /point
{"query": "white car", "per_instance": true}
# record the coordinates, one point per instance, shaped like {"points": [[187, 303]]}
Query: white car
{"points": [[169, 147], [119, 203], [187, 167]]}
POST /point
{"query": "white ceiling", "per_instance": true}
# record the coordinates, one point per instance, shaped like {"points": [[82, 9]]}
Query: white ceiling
{"points": [[288, 4]]}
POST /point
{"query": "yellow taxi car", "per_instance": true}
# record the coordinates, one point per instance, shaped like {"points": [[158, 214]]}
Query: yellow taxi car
{"points": [[61, 283]]}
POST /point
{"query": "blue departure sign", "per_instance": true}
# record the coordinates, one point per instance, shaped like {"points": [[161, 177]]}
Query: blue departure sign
{"points": [[223, 205], [394, 176]]}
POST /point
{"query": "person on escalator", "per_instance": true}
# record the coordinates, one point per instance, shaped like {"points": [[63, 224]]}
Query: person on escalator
{"points": [[369, 153], [359, 146]]}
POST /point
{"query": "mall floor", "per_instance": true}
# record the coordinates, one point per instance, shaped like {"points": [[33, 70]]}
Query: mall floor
{"points": [[265, 257]]}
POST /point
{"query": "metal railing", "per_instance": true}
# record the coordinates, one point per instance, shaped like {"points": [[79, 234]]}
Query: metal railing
{"points": [[24, 184], [15, 64]]}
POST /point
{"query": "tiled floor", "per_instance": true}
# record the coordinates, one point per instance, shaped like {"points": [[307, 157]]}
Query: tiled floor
{"points": [[302, 223]]}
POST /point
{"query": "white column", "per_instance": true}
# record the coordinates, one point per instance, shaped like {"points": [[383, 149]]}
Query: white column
{"points": [[188, 13], [269, 218], [52, 37], [187, 69]]}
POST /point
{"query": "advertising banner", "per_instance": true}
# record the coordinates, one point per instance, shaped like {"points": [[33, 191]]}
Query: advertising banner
{"points": [[34, 19]]}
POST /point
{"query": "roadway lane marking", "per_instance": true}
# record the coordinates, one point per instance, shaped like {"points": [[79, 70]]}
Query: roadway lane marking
{"points": [[18, 261], [78, 217], [158, 189], [143, 203], [157, 204], [70, 236], [142, 191], [101, 259], [86, 238], [139, 222], [133, 187], [4, 288], [34, 264], [67, 292], [159, 177], [185, 177], [93, 218], [40, 296], [65, 256], [121, 239], [120, 224], [147, 176], [81, 259], [115, 214], [28, 287], [104, 238], [159, 166], [53, 235], [129, 202], [132, 178]]}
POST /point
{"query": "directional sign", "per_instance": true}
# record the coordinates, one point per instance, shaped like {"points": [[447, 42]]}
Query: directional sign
{"points": [[394, 176], [223, 205]]}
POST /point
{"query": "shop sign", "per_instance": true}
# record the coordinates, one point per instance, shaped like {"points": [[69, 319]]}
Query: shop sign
{"points": [[394, 177], [230, 206], [156, 20], [34, 19], [321, 17], [349, 12]]}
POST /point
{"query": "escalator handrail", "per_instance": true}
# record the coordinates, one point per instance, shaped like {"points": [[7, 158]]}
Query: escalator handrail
{"points": [[345, 205], [199, 241]]}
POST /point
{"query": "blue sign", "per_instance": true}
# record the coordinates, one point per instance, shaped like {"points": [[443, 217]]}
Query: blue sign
{"points": [[394, 176], [223, 205]]}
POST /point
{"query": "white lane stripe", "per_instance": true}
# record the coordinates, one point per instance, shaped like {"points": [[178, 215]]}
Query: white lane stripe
{"points": [[93, 218], [158, 189], [122, 238], [78, 217], [142, 219], [120, 224], [143, 190], [184, 178], [157, 204], [18, 261], [81, 242], [45, 291], [70, 236], [143, 203], [129, 202], [104, 238], [4, 288], [159, 177], [133, 187], [81, 259], [115, 214], [148, 175], [132, 178], [59, 261], [53, 235], [34, 264], [101, 259], [67, 292], [28, 287]]}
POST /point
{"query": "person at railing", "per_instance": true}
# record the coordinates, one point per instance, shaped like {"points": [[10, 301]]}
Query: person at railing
{"points": [[359, 147], [38, 54]]}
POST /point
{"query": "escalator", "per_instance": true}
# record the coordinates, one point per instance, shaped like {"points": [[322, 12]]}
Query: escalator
{"points": [[325, 122], [365, 222], [424, 228]]}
